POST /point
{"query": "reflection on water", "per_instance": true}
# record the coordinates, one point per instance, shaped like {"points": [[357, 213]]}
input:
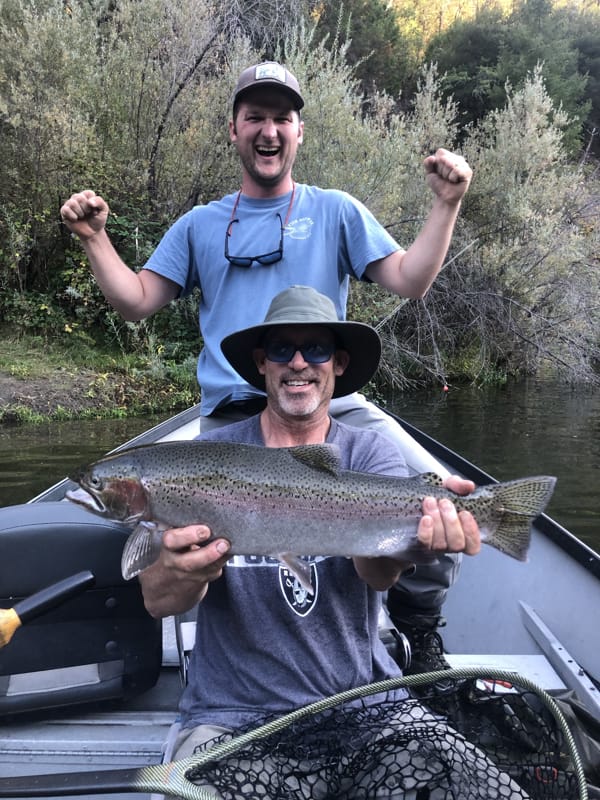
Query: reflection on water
{"points": [[524, 429], [34, 457], [530, 428]]}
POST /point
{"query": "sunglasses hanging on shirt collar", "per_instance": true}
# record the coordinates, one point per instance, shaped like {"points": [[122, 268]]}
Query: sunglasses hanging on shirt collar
{"points": [[266, 259]]}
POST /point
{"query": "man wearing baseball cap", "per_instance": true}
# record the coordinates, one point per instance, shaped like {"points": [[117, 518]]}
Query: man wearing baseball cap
{"points": [[268, 74], [245, 248]]}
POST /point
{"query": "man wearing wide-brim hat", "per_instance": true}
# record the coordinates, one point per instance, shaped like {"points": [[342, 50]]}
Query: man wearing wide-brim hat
{"points": [[304, 308], [264, 645]]}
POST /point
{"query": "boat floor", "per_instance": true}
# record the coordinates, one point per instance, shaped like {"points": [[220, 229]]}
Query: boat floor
{"points": [[118, 734], [132, 733]]}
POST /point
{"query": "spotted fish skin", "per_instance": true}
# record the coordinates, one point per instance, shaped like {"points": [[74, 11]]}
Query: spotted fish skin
{"points": [[289, 502]]}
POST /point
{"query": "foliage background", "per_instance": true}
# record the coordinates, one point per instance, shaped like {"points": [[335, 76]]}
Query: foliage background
{"points": [[132, 99]]}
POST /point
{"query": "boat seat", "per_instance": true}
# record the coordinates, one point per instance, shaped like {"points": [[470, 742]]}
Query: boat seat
{"points": [[101, 644]]}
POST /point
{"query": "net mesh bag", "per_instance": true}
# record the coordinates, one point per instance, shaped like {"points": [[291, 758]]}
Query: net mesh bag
{"points": [[459, 736]]}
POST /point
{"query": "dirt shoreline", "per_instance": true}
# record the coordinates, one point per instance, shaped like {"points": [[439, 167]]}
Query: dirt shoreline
{"points": [[64, 393]]}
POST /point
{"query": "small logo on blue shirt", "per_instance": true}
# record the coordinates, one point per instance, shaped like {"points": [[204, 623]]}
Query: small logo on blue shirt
{"points": [[299, 228]]}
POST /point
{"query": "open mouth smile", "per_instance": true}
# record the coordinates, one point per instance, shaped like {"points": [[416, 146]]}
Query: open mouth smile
{"points": [[267, 152]]}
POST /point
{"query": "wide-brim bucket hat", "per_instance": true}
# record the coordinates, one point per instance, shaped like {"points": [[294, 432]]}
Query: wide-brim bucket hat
{"points": [[303, 305]]}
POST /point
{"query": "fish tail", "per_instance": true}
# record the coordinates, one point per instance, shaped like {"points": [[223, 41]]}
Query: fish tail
{"points": [[516, 504]]}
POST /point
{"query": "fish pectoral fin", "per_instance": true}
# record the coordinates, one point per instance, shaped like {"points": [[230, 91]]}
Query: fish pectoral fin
{"points": [[324, 457], [141, 549], [299, 568]]}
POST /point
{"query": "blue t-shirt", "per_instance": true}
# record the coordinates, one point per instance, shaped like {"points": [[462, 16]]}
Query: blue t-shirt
{"points": [[329, 238], [266, 646]]}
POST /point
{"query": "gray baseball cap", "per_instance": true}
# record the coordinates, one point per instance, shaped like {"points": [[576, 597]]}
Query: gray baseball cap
{"points": [[269, 73]]}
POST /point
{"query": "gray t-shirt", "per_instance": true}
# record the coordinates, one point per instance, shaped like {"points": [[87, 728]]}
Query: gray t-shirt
{"points": [[266, 646]]}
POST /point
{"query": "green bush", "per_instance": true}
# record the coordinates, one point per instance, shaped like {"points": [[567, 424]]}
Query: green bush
{"points": [[133, 99]]}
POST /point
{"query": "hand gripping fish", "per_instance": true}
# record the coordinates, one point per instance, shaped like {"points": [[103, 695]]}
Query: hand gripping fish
{"points": [[288, 503]]}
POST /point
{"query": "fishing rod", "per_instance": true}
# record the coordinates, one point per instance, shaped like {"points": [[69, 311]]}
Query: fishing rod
{"points": [[36, 604]]}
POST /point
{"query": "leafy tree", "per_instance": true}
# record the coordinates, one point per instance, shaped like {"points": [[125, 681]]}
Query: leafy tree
{"points": [[467, 55], [421, 21], [132, 99], [527, 293], [376, 48], [479, 56], [587, 43]]}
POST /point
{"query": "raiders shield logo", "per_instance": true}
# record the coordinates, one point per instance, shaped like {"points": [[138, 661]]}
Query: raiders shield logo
{"points": [[296, 596]]}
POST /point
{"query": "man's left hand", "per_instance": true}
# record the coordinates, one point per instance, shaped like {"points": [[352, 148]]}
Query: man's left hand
{"points": [[448, 175], [445, 530]]}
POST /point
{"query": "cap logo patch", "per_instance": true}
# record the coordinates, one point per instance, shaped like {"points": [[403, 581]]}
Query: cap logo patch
{"points": [[271, 71]]}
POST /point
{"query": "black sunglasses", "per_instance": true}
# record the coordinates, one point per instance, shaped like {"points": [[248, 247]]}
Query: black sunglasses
{"points": [[312, 352], [266, 259]]}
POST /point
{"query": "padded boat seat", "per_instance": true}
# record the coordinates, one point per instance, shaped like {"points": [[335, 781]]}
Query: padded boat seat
{"points": [[97, 645]]}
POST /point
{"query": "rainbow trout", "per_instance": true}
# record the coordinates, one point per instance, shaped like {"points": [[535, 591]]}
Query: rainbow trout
{"points": [[288, 503]]}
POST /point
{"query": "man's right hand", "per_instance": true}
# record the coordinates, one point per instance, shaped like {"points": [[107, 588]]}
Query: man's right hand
{"points": [[85, 214], [187, 563], [189, 551]]}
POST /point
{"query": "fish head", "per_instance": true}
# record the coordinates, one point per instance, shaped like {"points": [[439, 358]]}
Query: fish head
{"points": [[116, 494]]}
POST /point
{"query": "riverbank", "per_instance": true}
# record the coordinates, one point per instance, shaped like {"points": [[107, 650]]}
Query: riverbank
{"points": [[43, 380], [62, 393], [44, 397]]}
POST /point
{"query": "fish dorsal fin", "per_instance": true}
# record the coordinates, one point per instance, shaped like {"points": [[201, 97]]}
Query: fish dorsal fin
{"points": [[431, 479], [324, 457]]}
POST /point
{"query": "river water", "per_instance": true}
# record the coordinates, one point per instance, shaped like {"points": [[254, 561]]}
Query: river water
{"points": [[529, 428], [522, 429]]}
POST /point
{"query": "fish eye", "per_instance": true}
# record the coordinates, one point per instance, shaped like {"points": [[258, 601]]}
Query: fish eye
{"points": [[95, 482]]}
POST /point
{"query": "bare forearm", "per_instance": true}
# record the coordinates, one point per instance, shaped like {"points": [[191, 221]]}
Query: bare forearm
{"points": [[423, 260], [410, 273], [134, 295], [120, 285]]}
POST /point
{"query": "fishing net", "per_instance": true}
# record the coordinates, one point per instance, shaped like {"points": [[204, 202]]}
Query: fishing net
{"points": [[464, 737]]}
